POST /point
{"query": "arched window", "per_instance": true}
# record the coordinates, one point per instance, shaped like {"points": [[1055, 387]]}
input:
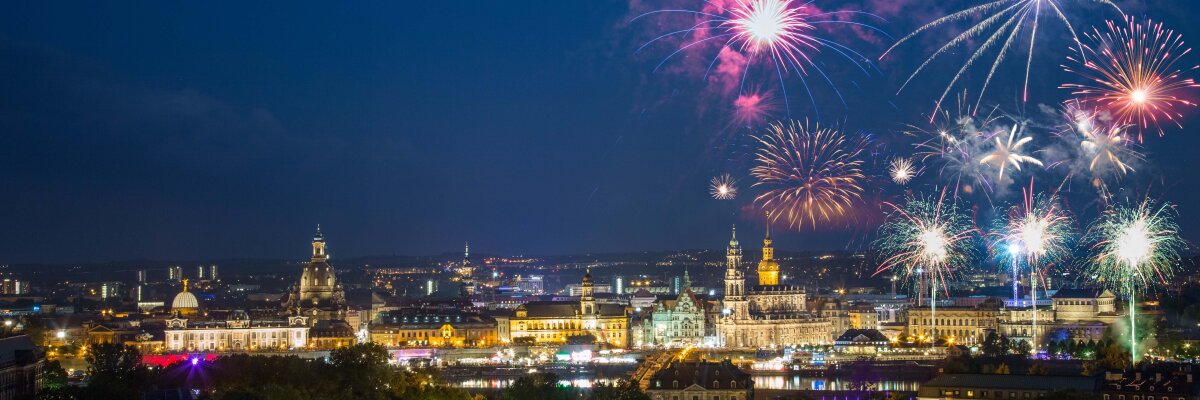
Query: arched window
{"points": [[716, 385]]}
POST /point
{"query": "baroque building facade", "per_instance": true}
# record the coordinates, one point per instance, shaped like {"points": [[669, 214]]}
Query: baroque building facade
{"points": [[768, 314], [674, 322], [237, 333], [1076, 314], [554, 322], [318, 295]]}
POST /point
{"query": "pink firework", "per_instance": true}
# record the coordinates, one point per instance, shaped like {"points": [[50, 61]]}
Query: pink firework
{"points": [[752, 108], [1132, 75], [781, 34]]}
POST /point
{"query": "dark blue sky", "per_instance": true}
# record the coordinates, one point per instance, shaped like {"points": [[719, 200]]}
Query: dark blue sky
{"points": [[216, 130]]}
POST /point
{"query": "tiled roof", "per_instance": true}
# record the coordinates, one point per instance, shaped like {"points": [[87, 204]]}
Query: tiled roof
{"points": [[703, 374]]}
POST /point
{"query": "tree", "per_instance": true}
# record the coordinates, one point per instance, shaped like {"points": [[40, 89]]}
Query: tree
{"points": [[116, 371], [992, 346], [1021, 347], [536, 386], [620, 391], [362, 369]]}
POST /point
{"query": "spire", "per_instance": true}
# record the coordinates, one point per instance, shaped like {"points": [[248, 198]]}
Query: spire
{"points": [[319, 236], [687, 281], [733, 239], [467, 251]]}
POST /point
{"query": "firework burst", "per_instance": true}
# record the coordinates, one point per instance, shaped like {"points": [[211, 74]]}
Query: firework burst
{"points": [[781, 34], [926, 239], [927, 234], [808, 173], [1005, 19], [1008, 152], [902, 171], [1134, 249], [1037, 232], [723, 187], [1096, 147], [954, 141], [1130, 69]]}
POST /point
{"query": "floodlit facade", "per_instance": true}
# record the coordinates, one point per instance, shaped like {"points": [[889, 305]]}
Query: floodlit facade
{"points": [[238, 332], [556, 321], [767, 315]]}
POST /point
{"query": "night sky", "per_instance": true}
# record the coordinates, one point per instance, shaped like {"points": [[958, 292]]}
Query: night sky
{"points": [[202, 131]]}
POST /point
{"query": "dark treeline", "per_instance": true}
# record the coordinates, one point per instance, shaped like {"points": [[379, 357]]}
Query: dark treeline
{"points": [[359, 372]]}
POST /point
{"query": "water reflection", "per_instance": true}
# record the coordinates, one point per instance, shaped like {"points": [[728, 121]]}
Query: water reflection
{"points": [[811, 383], [500, 383]]}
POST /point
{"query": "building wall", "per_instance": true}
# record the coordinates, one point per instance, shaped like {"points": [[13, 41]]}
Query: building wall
{"points": [[612, 330], [219, 339]]}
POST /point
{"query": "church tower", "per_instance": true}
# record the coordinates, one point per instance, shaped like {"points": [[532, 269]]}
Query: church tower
{"points": [[318, 294], [735, 281], [587, 299], [768, 269]]}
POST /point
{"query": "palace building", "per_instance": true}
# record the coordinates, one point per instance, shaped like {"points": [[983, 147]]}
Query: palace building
{"points": [[237, 333], [555, 321], [768, 314], [434, 328], [318, 295]]}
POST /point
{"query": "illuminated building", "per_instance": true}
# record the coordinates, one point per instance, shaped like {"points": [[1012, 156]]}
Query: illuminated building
{"points": [[529, 284], [13, 286], [331, 334], [420, 328], [212, 272], [238, 332], [768, 269], [200, 272], [555, 321], [175, 273], [966, 324], [318, 295], [141, 276], [1080, 314], [767, 315], [674, 322], [701, 380]]}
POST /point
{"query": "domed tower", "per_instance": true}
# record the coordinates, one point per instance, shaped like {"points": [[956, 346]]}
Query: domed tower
{"points": [[768, 269], [318, 294], [587, 299]]}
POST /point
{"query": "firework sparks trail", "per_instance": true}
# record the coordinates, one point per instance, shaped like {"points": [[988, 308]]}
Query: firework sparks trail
{"points": [[955, 141], [1095, 147], [782, 34], [1005, 19], [1008, 153], [1037, 232], [926, 237], [808, 173], [1130, 72], [1134, 249], [723, 187], [902, 171]]}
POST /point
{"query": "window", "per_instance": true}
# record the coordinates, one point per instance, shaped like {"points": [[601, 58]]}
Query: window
{"points": [[675, 384], [717, 385]]}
